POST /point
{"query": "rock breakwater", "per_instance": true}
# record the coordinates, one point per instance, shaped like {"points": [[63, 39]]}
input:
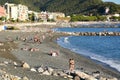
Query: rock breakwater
{"points": [[92, 33]]}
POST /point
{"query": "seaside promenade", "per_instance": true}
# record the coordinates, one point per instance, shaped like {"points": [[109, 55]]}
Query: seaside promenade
{"points": [[22, 25]]}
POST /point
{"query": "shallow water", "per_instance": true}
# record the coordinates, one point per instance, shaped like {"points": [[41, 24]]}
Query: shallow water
{"points": [[105, 49]]}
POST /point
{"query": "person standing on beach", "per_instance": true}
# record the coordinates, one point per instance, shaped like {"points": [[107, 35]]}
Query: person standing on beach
{"points": [[37, 39], [71, 64]]}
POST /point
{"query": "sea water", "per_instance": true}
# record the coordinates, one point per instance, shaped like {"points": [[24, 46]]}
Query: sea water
{"points": [[105, 49]]}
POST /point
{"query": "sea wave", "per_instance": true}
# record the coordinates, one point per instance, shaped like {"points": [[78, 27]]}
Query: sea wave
{"points": [[112, 63], [65, 42]]}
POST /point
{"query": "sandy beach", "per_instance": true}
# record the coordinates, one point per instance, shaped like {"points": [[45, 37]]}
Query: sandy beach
{"points": [[20, 47]]}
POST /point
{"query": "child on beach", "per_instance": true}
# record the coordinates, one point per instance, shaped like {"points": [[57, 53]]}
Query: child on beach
{"points": [[71, 64], [37, 39]]}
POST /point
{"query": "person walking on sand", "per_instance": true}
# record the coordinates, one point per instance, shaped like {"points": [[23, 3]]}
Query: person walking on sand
{"points": [[71, 64]]}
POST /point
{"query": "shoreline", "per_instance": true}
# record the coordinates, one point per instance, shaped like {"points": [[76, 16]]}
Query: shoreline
{"points": [[55, 24], [41, 57], [95, 60], [103, 65]]}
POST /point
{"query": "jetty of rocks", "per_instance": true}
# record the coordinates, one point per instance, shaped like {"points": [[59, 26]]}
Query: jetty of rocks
{"points": [[92, 33]]}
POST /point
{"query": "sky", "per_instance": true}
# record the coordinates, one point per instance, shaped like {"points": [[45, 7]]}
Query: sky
{"points": [[115, 1]]}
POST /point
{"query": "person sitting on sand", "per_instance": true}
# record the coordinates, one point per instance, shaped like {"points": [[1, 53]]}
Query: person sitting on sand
{"points": [[33, 49], [43, 37], [71, 64]]}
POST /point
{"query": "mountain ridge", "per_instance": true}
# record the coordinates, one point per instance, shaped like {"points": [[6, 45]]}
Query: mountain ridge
{"points": [[69, 7]]}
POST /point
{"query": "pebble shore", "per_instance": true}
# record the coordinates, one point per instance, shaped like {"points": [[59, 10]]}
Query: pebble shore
{"points": [[22, 59]]}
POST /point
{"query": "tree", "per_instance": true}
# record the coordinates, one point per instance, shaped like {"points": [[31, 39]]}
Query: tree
{"points": [[31, 17]]}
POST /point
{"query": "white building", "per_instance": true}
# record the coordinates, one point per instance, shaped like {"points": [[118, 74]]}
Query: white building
{"points": [[116, 15], [16, 11], [107, 10], [44, 16], [22, 12], [8, 9], [54, 15]]}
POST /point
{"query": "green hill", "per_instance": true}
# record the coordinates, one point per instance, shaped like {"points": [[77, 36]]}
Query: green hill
{"points": [[68, 6]]}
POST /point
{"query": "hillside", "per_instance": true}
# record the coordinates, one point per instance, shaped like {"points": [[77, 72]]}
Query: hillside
{"points": [[68, 6]]}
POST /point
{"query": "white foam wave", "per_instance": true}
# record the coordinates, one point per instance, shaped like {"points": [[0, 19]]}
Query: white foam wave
{"points": [[112, 63], [66, 40]]}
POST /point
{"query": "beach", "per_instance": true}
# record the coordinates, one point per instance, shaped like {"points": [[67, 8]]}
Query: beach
{"points": [[21, 48]]}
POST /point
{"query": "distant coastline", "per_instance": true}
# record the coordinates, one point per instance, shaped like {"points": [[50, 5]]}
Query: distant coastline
{"points": [[77, 23]]}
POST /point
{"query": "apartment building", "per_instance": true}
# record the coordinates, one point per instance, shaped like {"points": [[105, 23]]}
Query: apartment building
{"points": [[2, 11], [22, 12], [16, 11], [9, 10]]}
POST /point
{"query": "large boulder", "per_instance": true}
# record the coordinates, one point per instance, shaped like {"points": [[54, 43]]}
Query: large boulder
{"points": [[61, 73], [103, 78], [50, 70], [113, 79], [84, 75], [54, 73], [76, 78], [46, 73], [40, 69], [25, 78], [25, 65], [33, 70]]}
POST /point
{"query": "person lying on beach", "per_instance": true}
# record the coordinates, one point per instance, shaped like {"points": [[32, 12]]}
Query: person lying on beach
{"points": [[22, 38], [30, 49], [33, 49], [54, 53]]}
